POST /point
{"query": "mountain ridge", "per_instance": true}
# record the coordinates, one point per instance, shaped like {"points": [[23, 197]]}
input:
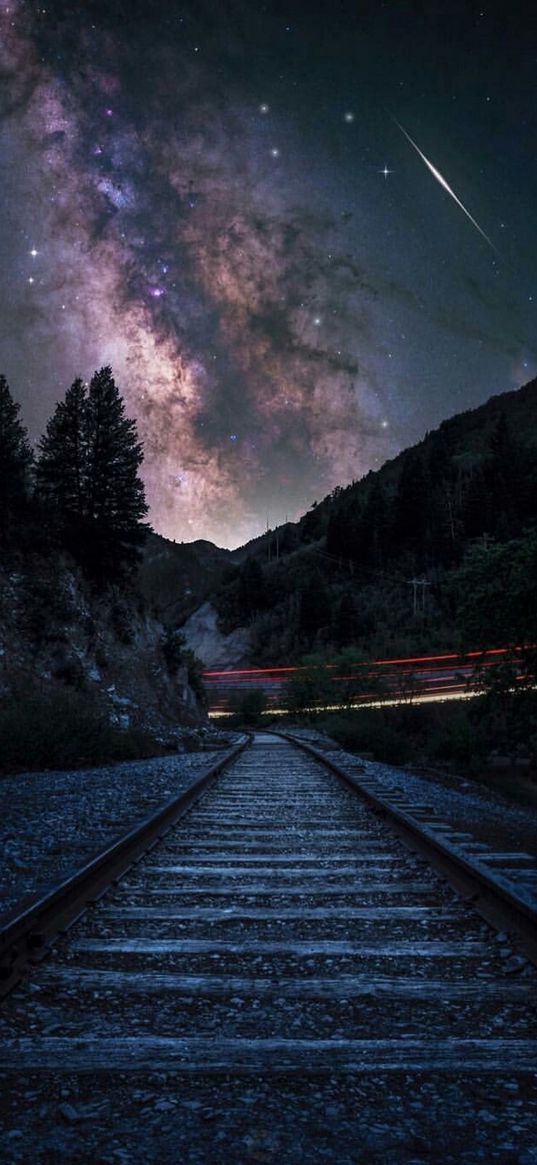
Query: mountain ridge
{"points": [[341, 574]]}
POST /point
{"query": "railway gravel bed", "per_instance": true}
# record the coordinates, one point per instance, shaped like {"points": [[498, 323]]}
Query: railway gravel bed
{"points": [[464, 805], [53, 822], [279, 980]]}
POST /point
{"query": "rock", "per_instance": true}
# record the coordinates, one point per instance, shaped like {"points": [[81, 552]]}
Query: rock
{"points": [[515, 963], [202, 634], [120, 701], [69, 1113]]}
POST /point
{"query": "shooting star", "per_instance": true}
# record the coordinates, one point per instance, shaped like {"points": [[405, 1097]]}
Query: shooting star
{"points": [[439, 178]]}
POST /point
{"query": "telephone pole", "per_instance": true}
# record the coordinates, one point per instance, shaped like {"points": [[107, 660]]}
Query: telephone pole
{"points": [[418, 594]]}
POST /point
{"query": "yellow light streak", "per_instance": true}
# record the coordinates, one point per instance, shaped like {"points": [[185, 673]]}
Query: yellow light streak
{"points": [[394, 702]]}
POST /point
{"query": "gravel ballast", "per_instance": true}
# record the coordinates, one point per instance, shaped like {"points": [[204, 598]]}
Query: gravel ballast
{"points": [[53, 822]]}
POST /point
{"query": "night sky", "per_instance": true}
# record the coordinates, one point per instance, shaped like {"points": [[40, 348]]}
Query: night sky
{"points": [[221, 200]]}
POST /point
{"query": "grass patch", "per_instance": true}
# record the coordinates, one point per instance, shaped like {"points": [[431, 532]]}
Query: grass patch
{"points": [[64, 729]]}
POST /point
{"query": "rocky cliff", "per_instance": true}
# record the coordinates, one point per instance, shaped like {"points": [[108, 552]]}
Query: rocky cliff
{"points": [[56, 630], [216, 650]]}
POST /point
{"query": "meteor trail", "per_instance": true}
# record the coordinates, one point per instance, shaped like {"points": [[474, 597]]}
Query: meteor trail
{"points": [[436, 174]]}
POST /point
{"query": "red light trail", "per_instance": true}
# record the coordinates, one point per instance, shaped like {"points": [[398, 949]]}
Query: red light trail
{"points": [[448, 674]]}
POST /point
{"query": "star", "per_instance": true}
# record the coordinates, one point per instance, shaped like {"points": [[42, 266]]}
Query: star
{"points": [[33, 252], [385, 171], [275, 153], [384, 424], [348, 117], [264, 108], [31, 279]]}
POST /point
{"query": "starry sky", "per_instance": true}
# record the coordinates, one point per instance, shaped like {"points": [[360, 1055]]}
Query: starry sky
{"points": [[230, 202]]}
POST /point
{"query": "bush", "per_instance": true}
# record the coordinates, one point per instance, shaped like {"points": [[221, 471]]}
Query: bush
{"points": [[67, 667], [177, 654], [248, 709], [173, 645], [252, 707], [457, 742], [454, 736], [371, 731], [61, 729], [122, 622]]}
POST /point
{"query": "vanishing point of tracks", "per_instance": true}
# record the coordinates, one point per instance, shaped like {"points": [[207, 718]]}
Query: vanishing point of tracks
{"points": [[280, 931]]}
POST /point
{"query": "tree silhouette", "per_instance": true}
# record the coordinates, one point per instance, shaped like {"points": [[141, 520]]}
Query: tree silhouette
{"points": [[88, 471], [63, 463], [115, 492], [251, 587], [15, 460], [411, 507]]}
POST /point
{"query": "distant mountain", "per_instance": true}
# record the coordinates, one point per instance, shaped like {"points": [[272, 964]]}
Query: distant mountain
{"points": [[175, 577], [465, 438], [343, 574]]}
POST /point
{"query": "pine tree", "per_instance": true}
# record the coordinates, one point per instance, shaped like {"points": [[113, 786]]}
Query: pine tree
{"points": [[88, 474], [115, 494], [411, 508], [503, 481], [15, 459], [376, 526], [62, 466]]}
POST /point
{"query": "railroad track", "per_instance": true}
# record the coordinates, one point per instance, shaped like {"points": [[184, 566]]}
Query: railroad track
{"points": [[282, 960]]}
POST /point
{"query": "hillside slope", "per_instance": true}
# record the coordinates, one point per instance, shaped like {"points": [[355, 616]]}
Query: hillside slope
{"points": [[344, 574], [175, 577], [57, 632]]}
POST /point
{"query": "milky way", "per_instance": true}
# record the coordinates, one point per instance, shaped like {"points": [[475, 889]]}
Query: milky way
{"points": [[193, 197]]}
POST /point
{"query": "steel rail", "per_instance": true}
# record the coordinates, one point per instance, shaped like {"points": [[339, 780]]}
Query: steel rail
{"points": [[25, 938], [493, 900]]}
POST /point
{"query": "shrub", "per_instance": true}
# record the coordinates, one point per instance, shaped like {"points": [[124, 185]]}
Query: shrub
{"points": [[177, 654], [457, 742], [368, 730], [61, 728], [122, 622], [173, 644]]}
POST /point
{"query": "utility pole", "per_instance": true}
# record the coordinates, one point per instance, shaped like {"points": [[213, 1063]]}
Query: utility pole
{"points": [[418, 595]]}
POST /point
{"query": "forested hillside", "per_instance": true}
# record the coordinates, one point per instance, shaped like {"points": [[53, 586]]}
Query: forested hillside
{"points": [[436, 549]]}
